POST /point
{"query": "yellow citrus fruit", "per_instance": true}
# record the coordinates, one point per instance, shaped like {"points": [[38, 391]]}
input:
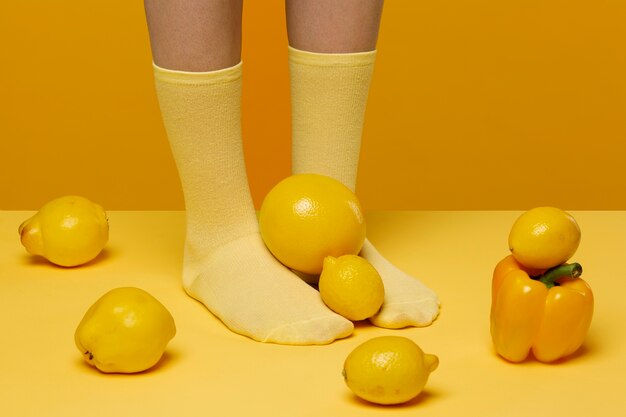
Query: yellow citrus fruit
{"points": [[67, 231], [350, 286], [307, 217], [544, 237], [388, 370], [125, 331]]}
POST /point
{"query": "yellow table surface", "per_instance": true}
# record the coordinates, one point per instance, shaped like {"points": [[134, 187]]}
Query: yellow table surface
{"points": [[210, 371]]}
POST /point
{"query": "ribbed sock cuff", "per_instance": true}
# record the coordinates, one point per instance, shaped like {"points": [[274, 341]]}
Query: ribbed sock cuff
{"points": [[351, 59], [224, 75]]}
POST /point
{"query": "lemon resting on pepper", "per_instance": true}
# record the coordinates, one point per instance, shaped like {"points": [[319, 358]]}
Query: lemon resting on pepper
{"points": [[544, 237]]}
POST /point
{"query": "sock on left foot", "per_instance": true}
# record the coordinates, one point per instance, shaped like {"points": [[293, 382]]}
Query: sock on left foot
{"points": [[328, 97]]}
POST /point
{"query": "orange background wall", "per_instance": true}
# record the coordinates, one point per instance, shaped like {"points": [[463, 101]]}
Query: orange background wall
{"points": [[474, 105]]}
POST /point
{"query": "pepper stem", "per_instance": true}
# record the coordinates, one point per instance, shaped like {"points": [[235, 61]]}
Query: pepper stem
{"points": [[571, 271]]}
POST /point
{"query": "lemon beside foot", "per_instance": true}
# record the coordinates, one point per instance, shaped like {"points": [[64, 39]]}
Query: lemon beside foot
{"points": [[350, 286], [125, 331], [67, 231], [307, 217]]}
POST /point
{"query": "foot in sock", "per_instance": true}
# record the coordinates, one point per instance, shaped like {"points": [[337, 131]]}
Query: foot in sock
{"points": [[226, 265], [329, 94], [256, 296]]}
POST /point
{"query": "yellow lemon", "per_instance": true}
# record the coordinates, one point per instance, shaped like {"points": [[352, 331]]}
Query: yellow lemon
{"points": [[544, 237], [307, 217], [125, 331], [349, 285], [388, 370], [67, 231]]}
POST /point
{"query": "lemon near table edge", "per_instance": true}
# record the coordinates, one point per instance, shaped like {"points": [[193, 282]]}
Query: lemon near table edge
{"points": [[67, 231]]}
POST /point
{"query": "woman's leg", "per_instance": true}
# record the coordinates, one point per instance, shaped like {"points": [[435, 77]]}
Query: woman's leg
{"points": [[331, 58], [195, 35], [196, 48]]}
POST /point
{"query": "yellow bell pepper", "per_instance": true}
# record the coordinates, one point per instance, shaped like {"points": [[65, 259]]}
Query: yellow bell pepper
{"points": [[548, 314]]}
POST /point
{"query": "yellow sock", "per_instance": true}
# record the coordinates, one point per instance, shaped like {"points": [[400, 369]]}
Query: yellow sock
{"points": [[329, 94], [226, 265], [328, 97]]}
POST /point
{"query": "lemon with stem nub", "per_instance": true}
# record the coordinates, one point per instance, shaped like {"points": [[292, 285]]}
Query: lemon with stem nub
{"points": [[544, 237], [388, 370], [125, 331], [350, 286], [67, 231]]}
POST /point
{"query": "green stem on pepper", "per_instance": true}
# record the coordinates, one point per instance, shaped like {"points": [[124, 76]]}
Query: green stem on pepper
{"points": [[571, 271]]}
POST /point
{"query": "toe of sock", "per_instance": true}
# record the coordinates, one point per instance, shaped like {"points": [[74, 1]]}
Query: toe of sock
{"points": [[399, 315], [316, 331]]}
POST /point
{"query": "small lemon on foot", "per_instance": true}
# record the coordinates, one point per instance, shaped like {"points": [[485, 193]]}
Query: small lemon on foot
{"points": [[307, 217], [125, 331], [67, 231], [350, 286], [388, 370], [544, 237]]}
